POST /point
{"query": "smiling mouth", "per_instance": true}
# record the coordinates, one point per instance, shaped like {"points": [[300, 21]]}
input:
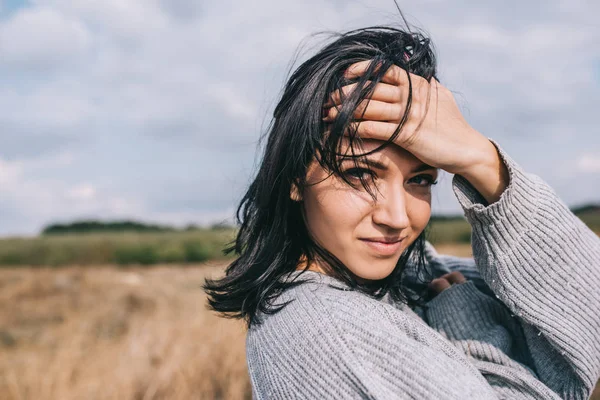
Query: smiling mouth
{"points": [[384, 246], [385, 240]]}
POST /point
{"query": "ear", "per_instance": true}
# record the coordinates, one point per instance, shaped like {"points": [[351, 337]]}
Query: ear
{"points": [[295, 192]]}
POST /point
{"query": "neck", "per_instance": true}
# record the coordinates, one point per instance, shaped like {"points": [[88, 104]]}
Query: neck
{"points": [[314, 266]]}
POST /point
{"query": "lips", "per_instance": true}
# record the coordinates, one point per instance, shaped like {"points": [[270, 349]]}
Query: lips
{"points": [[383, 240], [383, 246]]}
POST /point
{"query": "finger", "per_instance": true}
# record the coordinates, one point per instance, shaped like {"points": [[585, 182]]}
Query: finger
{"points": [[456, 277], [393, 76], [372, 110], [438, 285], [382, 92], [373, 129]]}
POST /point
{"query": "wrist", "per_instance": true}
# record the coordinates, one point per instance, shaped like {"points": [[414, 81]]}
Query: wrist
{"points": [[490, 177]]}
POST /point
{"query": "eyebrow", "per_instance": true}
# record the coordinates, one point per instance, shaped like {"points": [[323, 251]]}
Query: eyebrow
{"points": [[376, 164], [422, 167]]}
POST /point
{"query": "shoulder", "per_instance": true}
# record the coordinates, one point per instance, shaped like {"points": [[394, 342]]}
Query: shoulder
{"points": [[322, 304], [302, 348], [334, 343]]}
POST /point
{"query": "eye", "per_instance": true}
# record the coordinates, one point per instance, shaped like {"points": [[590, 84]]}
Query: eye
{"points": [[358, 173], [425, 179]]}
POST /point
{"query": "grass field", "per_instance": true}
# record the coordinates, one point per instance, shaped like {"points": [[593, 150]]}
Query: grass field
{"points": [[121, 248], [108, 332]]}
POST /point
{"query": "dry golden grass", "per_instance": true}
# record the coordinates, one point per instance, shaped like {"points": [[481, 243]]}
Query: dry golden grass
{"points": [[108, 333]]}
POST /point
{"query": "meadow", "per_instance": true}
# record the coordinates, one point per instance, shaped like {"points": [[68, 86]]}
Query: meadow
{"points": [[108, 333], [122, 316], [116, 248]]}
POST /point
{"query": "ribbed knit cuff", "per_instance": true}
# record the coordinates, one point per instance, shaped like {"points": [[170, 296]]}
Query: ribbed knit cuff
{"points": [[497, 227], [478, 213]]}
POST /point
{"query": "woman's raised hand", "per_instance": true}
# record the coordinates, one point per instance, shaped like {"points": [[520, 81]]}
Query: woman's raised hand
{"points": [[444, 282], [435, 131]]}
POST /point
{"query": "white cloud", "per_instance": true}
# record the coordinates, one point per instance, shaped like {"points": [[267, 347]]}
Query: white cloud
{"points": [[38, 201], [483, 35], [589, 163], [84, 191], [42, 37], [232, 101], [57, 104], [9, 173], [126, 22]]}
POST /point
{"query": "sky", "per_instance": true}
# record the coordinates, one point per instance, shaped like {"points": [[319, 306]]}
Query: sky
{"points": [[152, 109]]}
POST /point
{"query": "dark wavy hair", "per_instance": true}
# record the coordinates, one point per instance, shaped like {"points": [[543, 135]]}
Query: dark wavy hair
{"points": [[273, 236]]}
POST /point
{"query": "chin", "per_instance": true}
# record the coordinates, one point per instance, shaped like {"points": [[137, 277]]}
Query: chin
{"points": [[374, 273]]}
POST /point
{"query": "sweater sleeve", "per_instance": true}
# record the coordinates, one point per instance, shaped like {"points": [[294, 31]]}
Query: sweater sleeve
{"points": [[490, 336], [543, 263], [341, 347]]}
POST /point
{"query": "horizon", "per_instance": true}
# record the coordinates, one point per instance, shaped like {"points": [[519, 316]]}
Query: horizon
{"points": [[213, 224]]}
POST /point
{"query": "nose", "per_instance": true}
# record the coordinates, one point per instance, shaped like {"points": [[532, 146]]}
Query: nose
{"points": [[390, 208]]}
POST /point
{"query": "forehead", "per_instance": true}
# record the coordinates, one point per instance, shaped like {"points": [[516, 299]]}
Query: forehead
{"points": [[391, 153]]}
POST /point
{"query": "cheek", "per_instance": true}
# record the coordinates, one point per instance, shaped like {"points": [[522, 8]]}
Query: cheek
{"points": [[419, 212], [333, 214]]}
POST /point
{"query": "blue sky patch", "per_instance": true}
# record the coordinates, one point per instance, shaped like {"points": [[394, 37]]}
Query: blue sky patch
{"points": [[8, 7]]}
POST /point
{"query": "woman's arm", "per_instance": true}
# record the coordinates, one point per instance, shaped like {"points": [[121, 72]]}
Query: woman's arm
{"points": [[543, 263], [485, 330], [538, 258]]}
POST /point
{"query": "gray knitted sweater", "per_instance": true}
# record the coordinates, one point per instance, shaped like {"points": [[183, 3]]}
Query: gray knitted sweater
{"points": [[526, 324]]}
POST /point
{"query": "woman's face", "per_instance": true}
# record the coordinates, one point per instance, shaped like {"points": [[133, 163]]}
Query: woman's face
{"points": [[369, 235]]}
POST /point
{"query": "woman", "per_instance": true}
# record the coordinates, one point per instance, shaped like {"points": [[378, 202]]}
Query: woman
{"points": [[334, 273]]}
